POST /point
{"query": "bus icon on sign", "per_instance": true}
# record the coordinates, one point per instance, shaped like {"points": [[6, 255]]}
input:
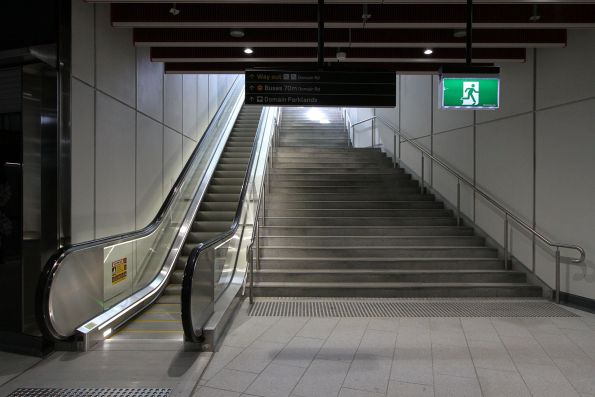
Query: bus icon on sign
{"points": [[470, 93]]}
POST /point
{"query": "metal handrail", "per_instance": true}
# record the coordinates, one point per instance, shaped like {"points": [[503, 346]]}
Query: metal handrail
{"points": [[264, 187], [191, 264], [508, 215]]}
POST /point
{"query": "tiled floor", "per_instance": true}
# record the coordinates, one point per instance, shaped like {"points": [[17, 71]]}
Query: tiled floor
{"points": [[374, 357], [117, 364]]}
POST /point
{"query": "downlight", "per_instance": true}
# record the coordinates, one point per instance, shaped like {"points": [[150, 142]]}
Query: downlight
{"points": [[237, 33], [428, 51], [248, 51]]}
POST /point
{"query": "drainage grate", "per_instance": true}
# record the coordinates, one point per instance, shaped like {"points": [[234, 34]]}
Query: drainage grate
{"points": [[407, 308], [87, 392]]}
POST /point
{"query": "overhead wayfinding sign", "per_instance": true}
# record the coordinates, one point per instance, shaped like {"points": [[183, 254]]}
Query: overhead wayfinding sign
{"points": [[320, 88], [470, 93]]}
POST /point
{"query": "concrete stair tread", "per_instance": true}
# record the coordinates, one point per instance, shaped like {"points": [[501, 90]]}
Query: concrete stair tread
{"points": [[377, 259], [385, 271], [361, 285]]}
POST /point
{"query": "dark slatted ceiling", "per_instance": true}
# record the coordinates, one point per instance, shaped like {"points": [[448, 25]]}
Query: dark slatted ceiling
{"points": [[393, 38]]}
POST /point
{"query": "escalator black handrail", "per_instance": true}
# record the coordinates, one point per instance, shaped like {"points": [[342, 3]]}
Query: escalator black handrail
{"points": [[42, 293], [191, 263]]}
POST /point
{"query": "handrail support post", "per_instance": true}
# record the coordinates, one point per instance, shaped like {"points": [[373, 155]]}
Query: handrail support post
{"points": [[394, 150], [557, 292], [458, 202], [506, 254], [422, 188]]}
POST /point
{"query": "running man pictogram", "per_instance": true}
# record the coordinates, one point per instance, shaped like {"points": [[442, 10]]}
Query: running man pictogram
{"points": [[469, 89]]}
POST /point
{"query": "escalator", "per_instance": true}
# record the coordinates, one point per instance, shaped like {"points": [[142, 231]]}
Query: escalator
{"points": [[215, 216], [173, 278]]}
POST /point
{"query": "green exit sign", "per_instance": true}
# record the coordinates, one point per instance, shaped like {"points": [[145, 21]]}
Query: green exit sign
{"points": [[470, 93]]}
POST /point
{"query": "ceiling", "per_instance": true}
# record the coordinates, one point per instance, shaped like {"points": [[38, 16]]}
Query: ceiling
{"points": [[380, 35]]}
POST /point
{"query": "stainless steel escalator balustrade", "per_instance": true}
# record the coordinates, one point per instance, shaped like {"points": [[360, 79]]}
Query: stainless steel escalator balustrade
{"points": [[88, 290]]}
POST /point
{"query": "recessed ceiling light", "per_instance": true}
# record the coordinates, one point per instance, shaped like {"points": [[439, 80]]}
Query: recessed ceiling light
{"points": [[237, 33], [428, 51], [459, 34], [248, 51]]}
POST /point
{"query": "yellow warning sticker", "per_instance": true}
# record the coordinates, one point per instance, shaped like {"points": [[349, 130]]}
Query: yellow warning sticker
{"points": [[119, 270]]}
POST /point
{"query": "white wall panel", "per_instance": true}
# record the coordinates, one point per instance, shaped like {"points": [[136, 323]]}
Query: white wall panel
{"points": [[115, 58], [173, 101], [83, 41], [149, 84], [505, 170], [149, 169], [213, 100], [516, 90], [115, 167], [202, 112], [416, 105], [455, 148], [565, 75], [83, 156], [565, 206], [188, 148], [411, 156], [448, 119], [190, 100], [172, 159]]}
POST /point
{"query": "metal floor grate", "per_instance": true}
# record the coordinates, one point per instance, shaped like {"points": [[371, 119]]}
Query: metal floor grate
{"points": [[407, 308], [89, 392]]}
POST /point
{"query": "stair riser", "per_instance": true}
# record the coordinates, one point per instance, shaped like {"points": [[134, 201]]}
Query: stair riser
{"points": [[361, 222], [388, 277], [321, 264], [348, 189], [360, 213], [413, 292], [365, 231], [353, 205], [377, 252], [389, 183], [386, 196], [375, 241]]}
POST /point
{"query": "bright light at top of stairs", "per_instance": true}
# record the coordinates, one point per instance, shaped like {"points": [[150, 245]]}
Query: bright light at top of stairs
{"points": [[316, 115]]}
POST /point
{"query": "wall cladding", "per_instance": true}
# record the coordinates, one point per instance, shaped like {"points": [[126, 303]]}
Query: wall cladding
{"points": [[534, 155], [133, 127]]}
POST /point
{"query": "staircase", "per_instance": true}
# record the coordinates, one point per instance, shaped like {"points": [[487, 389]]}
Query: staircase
{"points": [[215, 215], [342, 222]]}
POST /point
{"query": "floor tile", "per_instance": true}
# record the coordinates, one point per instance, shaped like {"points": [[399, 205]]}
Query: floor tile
{"points": [[490, 355], [399, 389], [413, 365], [545, 380], [229, 379], [525, 350], [283, 330], [502, 383], [377, 343], [346, 392], [454, 386], [319, 328], [384, 324], [447, 331], [256, 357], [210, 392], [479, 329], [276, 381], [299, 352], [453, 360], [370, 373], [220, 359], [323, 378]]}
